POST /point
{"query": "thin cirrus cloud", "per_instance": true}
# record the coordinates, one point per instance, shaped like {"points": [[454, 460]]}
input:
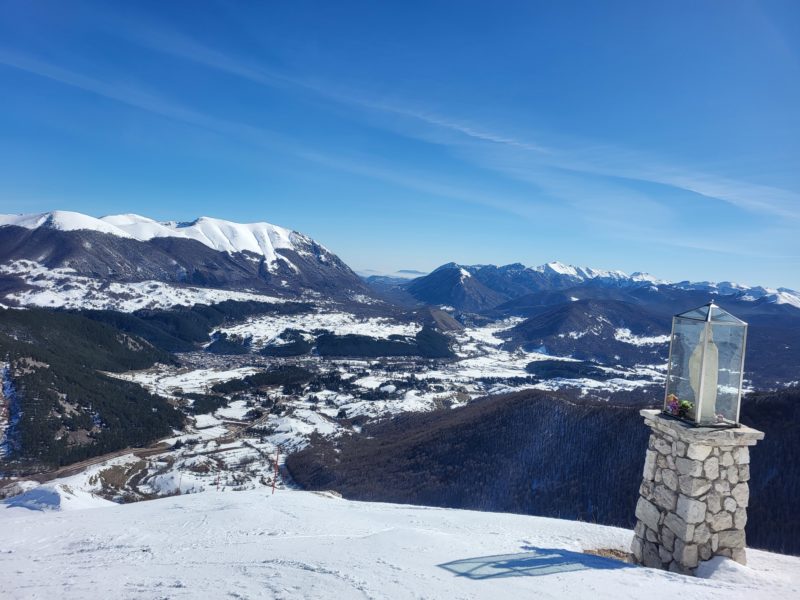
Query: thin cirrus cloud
{"points": [[134, 96], [148, 101], [533, 163], [587, 159]]}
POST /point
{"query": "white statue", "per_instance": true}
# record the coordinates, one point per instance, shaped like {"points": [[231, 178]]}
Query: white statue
{"points": [[705, 399]]}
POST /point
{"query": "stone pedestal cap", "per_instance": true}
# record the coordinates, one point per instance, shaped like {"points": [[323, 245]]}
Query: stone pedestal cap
{"points": [[678, 430]]}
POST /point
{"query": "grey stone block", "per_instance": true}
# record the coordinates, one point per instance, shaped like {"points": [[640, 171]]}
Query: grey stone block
{"points": [[670, 479], [667, 538], [636, 548], [711, 468], [648, 513], [723, 487], [732, 475], [693, 486], [732, 538], [687, 466], [698, 451], [741, 493], [690, 510], [665, 498], [646, 489], [721, 521], [686, 554], [714, 502], [640, 529], [740, 518], [702, 534], [651, 556], [662, 446], [649, 465], [679, 527], [704, 551], [744, 473], [679, 448]]}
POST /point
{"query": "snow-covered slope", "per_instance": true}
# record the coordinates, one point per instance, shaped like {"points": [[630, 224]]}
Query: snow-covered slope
{"points": [[305, 545], [581, 273], [224, 236], [132, 249], [449, 283], [62, 220]]}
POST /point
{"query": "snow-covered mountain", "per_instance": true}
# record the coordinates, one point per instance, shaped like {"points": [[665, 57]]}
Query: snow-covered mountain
{"points": [[225, 236], [477, 288], [58, 258]]}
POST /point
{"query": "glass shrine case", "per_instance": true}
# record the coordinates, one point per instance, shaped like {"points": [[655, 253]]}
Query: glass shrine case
{"points": [[706, 367]]}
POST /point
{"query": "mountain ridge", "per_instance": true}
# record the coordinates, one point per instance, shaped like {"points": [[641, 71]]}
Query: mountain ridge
{"points": [[50, 259], [449, 284]]}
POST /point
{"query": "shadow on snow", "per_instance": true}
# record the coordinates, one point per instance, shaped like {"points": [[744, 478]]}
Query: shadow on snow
{"points": [[535, 562]]}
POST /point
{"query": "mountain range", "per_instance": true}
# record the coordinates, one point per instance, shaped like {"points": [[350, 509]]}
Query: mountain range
{"points": [[481, 288], [265, 258], [129, 263], [66, 252]]}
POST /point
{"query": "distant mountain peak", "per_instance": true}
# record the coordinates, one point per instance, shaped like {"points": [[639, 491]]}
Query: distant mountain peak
{"points": [[515, 280], [207, 252], [225, 236]]}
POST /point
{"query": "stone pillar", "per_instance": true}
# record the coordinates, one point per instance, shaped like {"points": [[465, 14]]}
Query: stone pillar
{"points": [[694, 494]]}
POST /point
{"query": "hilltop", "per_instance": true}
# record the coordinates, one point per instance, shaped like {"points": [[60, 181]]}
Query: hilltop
{"points": [[305, 545]]}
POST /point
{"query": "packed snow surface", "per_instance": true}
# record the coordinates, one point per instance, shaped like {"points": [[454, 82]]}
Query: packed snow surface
{"points": [[292, 544]]}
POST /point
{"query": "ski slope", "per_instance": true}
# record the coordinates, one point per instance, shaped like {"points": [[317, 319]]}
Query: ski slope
{"points": [[305, 545]]}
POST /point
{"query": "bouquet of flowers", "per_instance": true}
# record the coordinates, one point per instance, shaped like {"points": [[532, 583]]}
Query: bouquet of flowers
{"points": [[677, 407]]}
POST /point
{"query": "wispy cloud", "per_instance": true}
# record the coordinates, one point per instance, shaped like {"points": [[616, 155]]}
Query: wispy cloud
{"points": [[135, 96], [519, 207], [582, 157], [146, 100], [544, 165]]}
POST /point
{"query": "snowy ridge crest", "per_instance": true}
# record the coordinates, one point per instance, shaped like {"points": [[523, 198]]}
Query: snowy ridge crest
{"points": [[224, 236], [573, 274]]}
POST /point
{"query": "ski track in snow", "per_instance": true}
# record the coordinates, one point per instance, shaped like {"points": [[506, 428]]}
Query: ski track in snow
{"points": [[312, 545]]}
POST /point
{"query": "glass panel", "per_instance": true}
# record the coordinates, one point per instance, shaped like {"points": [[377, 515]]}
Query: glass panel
{"points": [[686, 351], [721, 316], [700, 313], [724, 352]]}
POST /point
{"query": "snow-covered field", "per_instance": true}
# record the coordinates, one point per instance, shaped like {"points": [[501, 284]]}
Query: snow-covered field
{"points": [[63, 288], [266, 329], [441, 383], [166, 380], [306, 545]]}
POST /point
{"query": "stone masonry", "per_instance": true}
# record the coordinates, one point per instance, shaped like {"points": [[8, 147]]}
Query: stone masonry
{"points": [[694, 494]]}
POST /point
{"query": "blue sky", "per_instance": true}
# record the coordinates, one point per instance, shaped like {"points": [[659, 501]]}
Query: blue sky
{"points": [[642, 135]]}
